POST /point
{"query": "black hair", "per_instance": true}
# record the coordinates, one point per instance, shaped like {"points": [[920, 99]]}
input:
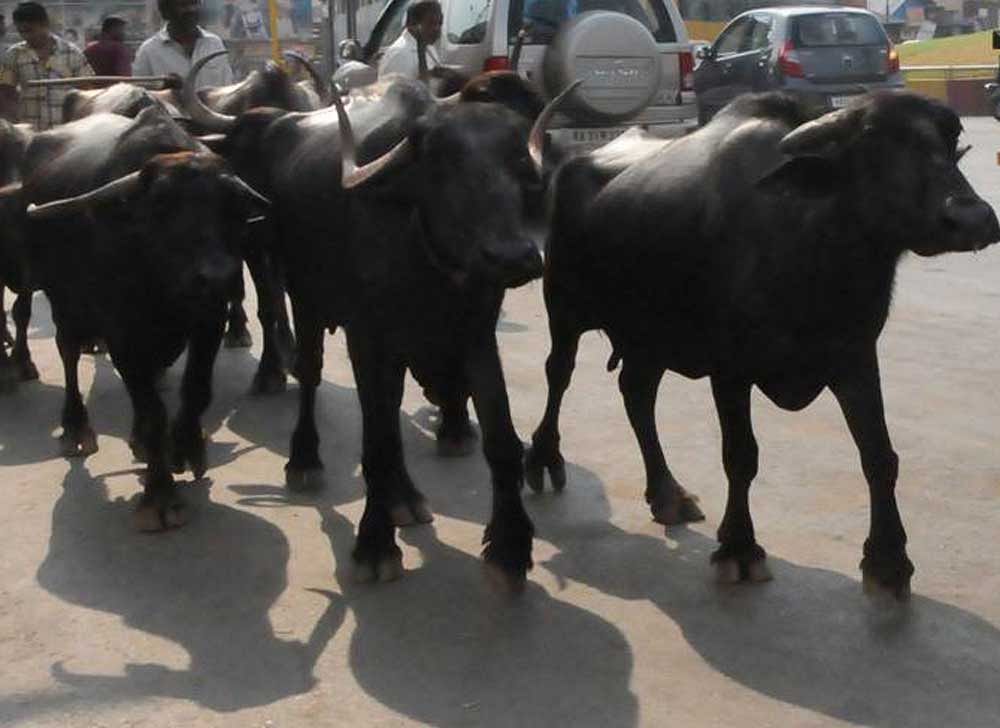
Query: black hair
{"points": [[30, 12], [418, 11], [111, 22]]}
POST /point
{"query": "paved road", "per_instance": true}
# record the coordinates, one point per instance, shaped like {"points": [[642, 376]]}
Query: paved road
{"points": [[247, 616]]}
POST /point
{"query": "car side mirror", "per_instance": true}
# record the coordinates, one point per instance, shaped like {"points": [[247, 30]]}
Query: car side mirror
{"points": [[704, 53], [349, 50]]}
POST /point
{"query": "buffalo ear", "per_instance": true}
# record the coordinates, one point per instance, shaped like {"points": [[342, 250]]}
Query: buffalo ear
{"points": [[812, 177]]}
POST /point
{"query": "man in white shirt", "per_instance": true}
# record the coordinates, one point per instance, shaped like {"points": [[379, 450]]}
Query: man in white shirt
{"points": [[180, 44], [423, 25]]}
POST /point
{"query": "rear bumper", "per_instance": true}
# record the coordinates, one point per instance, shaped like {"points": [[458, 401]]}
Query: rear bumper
{"points": [[567, 135]]}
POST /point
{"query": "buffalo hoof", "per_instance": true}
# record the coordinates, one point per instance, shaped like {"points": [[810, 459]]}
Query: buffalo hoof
{"points": [[26, 370], [887, 576], [273, 382], [140, 453], [189, 451], [78, 444], [151, 516], [94, 346], [304, 480], [388, 568], [457, 445], [507, 549], [534, 471], [677, 510], [410, 513], [733, 566], [508, 583], [237, 337]]}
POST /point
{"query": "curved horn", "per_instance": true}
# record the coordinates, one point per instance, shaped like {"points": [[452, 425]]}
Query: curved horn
{"points": [[116, 189], [449, 100], [351, 175], [208, 118], [322, 87], [241, 186], [813, 136], [536, 140], [10, 190]]}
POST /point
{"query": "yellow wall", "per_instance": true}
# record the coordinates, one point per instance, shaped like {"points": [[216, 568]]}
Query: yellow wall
{"points": [[703, 29]]}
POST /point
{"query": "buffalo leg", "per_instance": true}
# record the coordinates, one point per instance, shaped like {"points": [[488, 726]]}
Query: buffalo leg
{"points": [[376, 555], [304, 470], [738, 557], [544, 451], [8, 340], [669, 502], [20, 354], [77, 438], [237, 334], [196, 394], [508, 535], [270, 377], [885, 565], [160, 506]]}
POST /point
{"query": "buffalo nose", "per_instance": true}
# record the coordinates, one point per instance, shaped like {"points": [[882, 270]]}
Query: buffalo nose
{"points": [[972, 217], [515, 264]]}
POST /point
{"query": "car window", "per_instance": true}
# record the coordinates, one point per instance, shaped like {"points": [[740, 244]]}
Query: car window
{"points": [[837, 29], [735, 38], [394, 26], [760, 34], [543, 17], [467, 21]]}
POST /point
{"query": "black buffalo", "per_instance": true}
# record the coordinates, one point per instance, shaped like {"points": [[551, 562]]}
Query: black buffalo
{"points": [[14, 272], [135, 230], [410, 253], [760, 250]]}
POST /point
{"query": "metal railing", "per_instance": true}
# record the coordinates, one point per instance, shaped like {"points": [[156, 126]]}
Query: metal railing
{"points": [[949, 73]]}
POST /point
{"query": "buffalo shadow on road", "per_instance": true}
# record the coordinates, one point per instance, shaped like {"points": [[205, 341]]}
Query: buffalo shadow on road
{"points": [[207, 588], [811, 638]]}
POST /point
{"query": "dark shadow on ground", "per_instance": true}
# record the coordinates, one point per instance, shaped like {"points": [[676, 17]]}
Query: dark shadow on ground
{"points": [[810, 638], [442, 647], [207, 588]]}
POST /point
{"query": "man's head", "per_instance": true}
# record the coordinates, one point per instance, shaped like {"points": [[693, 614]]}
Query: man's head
{"points": [[32, 22], [181, 15], [113, 28], [424, 19]]}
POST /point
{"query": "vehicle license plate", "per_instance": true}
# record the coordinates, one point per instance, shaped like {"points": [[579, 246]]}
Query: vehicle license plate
{"points": [[839, 102], [584, 139]]}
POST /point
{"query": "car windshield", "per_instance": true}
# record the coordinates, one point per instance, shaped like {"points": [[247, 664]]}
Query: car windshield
{"points": [[542, 18], [837, 29]]}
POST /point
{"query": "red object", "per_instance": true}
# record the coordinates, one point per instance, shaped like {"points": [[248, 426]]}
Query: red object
{"points": [[497, 63], [893, 60], [108, 58], [686, 60], [788, 61]]}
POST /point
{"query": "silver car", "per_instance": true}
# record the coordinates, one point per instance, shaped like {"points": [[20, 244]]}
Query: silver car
{"points": [[826, 55], [633, 56]]}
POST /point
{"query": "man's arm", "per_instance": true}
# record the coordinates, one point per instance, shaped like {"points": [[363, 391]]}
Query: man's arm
{"points": [[8, 86]]}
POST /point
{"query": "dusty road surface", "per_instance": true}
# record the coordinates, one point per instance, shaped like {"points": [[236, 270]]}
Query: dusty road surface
{"points": [[248, 617]]}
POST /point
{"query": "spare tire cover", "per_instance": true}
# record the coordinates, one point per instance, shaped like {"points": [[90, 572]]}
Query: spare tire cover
{"points": [[616, 58]]}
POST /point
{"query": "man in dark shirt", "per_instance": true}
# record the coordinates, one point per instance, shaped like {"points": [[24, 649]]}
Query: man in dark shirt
{"points": [[109, 56]]}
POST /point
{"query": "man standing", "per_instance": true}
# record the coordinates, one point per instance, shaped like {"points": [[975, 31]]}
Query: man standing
{"points": [[180, 44], [40, 55], [108, 56], [423, 27]]}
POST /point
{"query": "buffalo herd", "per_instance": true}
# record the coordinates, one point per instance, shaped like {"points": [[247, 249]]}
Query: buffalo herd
{"points": [[755, 251]]}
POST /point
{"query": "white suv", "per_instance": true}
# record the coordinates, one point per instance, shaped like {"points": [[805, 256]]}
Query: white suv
{"points": [[633, 56]]}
